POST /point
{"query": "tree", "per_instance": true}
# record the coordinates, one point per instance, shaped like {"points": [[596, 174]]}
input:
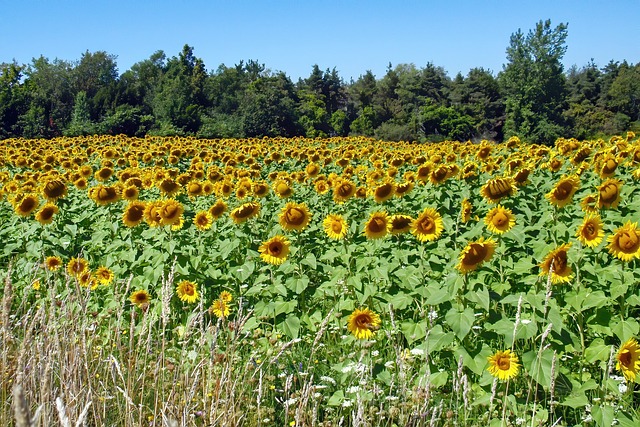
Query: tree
{"points": [[478, 97], [269, 107], [80, 119], [12, 99], [534, 83]]}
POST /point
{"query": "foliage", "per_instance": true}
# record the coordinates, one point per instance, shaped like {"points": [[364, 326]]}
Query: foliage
{"points": [[374, 321]]}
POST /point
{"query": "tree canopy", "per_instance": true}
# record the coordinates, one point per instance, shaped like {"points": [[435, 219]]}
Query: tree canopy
{"points": [[532, 97]]}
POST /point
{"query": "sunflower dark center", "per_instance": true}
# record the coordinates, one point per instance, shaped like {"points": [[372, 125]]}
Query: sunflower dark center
{"points": [[376, 225], [427, 225], [336, 226], [475, 255], [628, 242], [275, 248], [383, 190], [625, 359], [363, 321], [500, 219], [609, 192], [295, 216], [564, 190], [504, 363]]}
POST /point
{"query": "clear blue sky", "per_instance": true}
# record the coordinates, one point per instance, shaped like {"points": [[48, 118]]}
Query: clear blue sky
{"points": [[291, 36]]}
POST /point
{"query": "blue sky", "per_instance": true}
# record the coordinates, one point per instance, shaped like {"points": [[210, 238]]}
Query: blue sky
{"points": [[291, 36]]}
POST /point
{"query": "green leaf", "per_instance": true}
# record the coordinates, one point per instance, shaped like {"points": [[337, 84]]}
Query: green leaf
{"points": [[437, 295], [400, 300], [438, 379], [284, 307], [460, 322], [625, 329], [597, 351], [479, 297], [438, 339], [618, 289], [576, 400], [297, 284], [310, 260], [538, 365], [290, 326], [244, 271], [336, 399], [413, 331], [603, 415]]}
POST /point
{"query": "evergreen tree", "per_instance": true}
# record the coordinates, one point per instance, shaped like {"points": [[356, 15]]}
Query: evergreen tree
{"points": [[534, 83]]}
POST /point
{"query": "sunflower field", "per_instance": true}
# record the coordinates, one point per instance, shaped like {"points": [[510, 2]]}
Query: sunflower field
{"points": [[319, 282]]}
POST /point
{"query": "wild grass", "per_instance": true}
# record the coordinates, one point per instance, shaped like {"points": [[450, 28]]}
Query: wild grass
{"points": [[63, 364]]}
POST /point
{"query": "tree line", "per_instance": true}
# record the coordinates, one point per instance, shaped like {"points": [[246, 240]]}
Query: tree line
{"points": [[533, 97]]}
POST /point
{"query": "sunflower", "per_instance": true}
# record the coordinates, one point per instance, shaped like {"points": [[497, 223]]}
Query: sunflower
{"points": [[260, 189], [400, 223], [608, 166], [170, 212], [499, 220], [104, 275], [625, 242], [27, 204], [219, 308], [521, 177], [384, 192], [628, 359], [152, 213], [503, 365], [168, 187], [244, 212], [335, 226], [590, 232], [427, 226], [609, 193], [439, 175], [188, 291], [343, 191], [465, 210], [54, 189], [377, 226], [321, 186], [77, 266], [104, 195], [275, 250], [557, 259], [217, 209], [133, 213], [312, 170], [589, 203], [46, 213], [140, 298], [203, 220], [130, 193], [362, 323], [496, 189], [195, 189], [475, 253], [294, 216], [178, 225], [53, 263], [86, 279], [225, 296], [404, 188], [282, 188], [103, 174], [563, 192], [81, 183]]}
